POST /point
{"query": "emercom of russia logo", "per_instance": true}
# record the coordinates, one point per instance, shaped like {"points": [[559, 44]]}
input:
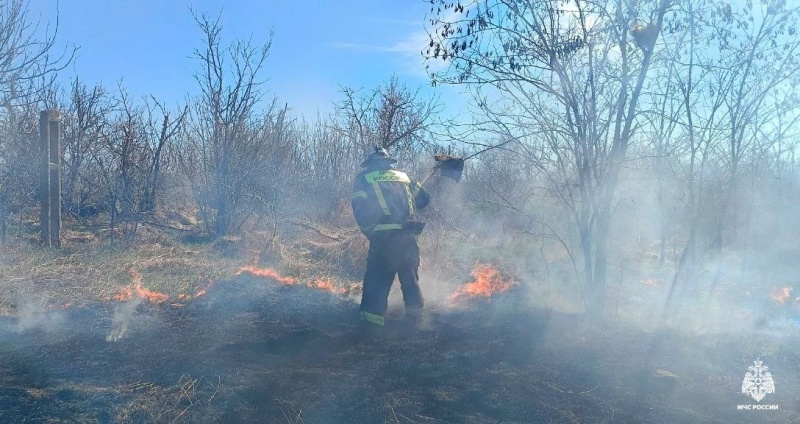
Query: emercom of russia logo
{"points": [[757, 384]]}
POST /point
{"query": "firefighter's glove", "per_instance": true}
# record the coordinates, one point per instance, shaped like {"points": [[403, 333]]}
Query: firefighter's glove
{"points": [[415, 227]]}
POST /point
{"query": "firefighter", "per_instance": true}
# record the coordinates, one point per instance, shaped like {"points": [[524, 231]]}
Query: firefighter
{"points": [[384, 202]]}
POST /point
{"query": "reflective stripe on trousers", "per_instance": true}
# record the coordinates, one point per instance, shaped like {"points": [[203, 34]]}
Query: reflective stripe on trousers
{"points": [[371, 318]]}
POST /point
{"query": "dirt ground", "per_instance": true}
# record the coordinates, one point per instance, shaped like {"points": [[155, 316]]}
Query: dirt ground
{"points": [[255, 351]]}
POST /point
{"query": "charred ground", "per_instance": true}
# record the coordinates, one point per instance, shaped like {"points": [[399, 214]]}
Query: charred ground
{"points": [[256, 351]]}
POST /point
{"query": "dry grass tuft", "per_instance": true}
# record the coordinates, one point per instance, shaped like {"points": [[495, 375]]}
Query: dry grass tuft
{"points": [[182, 402]]}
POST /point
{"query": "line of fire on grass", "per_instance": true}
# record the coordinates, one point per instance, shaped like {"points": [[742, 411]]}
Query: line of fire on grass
{"points": [[325, 284], [488, 282], [136, 290]]}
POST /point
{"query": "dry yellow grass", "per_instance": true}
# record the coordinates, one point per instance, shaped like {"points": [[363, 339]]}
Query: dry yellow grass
{"points": [[89, 269], [89, 272]]}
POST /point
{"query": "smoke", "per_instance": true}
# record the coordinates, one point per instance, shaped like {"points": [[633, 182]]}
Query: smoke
{"points": [[123, 316], [704, 267], [33, 316], [744, 247]]}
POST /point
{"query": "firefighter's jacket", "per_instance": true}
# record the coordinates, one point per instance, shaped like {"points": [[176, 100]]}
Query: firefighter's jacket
{"points": [[385, 200]]}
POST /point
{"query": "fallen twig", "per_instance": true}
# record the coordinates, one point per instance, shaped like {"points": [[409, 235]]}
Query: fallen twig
{"points": [[589, 391], [182, 412], [216, 388]]}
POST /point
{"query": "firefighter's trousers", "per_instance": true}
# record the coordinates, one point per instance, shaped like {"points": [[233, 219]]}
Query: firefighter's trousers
{"points": [[391, 253]]}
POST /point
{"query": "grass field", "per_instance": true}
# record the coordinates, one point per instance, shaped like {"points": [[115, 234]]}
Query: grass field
{"points": [[167, 331]]}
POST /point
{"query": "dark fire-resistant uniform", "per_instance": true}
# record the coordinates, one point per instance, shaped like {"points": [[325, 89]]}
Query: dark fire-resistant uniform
{"points": [[384, 201]]}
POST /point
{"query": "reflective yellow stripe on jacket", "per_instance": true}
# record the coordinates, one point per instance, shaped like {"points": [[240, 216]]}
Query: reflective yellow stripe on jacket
{"points": [[373, 179], [387, 175]]}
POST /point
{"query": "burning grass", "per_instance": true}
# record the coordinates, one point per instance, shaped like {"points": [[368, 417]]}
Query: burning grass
{"points": [[488, 283], [325, 284], [244, 348], [136, 290], [274, 361]]}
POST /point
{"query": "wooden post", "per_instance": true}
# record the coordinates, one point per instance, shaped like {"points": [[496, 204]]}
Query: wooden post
{"points": [[50, 177], [55, 178], [44, 177]]}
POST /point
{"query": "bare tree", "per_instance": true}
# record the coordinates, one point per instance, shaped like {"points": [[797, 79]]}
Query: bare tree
{"points": [[563, 79], [224, 145], [18, 153], [26, 70], [24, 58], [733, 71], [84, 120], [762, 64], [125, 163], [392, 116], [160, 129]]}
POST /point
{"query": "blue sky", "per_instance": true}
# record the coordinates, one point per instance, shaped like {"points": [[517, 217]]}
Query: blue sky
{"points": [[317, 45]]}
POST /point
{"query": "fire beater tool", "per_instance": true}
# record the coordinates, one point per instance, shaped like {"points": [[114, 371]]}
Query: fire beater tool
{"points": [[453, 166], [447, 166]]}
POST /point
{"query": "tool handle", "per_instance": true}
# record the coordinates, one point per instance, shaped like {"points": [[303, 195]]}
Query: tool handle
{"points": [[435, 168]]}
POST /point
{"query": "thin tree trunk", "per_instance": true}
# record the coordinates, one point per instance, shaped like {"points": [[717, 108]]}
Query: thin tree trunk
{"points": [[600, 265], [3, 219]]}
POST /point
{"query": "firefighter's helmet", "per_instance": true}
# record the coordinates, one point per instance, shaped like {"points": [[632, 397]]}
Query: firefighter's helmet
{"points": [[379, 155]]}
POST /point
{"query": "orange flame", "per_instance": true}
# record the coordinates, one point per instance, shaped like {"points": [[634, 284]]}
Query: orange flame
{"points": [[267, 273], [781, 295], [326, 285], [488, 282], [136, 290], [202, 291]]}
